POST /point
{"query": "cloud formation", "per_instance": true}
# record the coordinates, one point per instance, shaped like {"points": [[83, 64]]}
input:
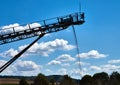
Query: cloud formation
{"points": [[54, 62], [43, 49], [22, 68], [26, 66], [65, 58], [9, 53], [16, 27], [110, 68], [79, 73], [114, 61], [92, 54], [96, 68], [66, 64], [2, 62], [82, 63], [62, 71]]}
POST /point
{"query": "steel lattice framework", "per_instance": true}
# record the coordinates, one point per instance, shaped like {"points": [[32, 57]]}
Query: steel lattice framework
{"points": [[47, 26]]}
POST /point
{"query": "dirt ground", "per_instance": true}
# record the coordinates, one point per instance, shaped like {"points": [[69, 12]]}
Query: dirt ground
{"points": [[11, 81]]}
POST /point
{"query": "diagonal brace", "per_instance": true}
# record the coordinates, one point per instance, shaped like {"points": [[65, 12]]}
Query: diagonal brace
{"points": [[19, 54]]}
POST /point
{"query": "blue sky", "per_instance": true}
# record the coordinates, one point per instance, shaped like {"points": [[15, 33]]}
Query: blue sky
{"points": [[98, 38]]}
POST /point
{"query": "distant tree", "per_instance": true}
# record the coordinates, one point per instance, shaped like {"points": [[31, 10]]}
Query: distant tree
{"points": [[87, 80], [101, 78], [23, 82], [114, 78], [41, 80], [67, 80], [52, 81]]}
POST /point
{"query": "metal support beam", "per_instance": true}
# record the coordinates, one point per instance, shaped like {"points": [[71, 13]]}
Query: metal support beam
{"points": [[47, 26], [19, 54]]}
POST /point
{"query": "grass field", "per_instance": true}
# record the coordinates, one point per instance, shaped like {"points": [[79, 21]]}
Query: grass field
{"points": [[10, 81]]}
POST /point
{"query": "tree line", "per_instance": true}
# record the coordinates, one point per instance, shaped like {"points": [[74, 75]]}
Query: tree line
{"points": [[101, 79], [97, 79], [41, 79]]}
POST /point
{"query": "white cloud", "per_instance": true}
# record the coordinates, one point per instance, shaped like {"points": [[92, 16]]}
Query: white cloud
{"points": [[82, 63], [22, 68], [92, 54], [9, 28], [22, 47], [104, 68], [59, 44], [110, 68], [54, 62], [79, 73], [9, 70], [91, 70], [43, 49], [9, 53], [49, 71], [26, 66], [114, 61], [96, 68], [34, 25], [62, 71], [65, 64], [61, 60], [65, 57], [2, 62]]}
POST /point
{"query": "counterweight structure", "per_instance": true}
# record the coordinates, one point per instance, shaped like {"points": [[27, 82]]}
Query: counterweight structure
{"points": [[47, 26]]}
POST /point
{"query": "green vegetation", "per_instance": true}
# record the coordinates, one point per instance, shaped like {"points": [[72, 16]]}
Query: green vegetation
{"points": [[97, 79], [23, 82], [101, 79], [41, 80]]}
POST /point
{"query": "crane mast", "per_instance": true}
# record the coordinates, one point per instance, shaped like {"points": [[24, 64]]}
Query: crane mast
{"points": [[47, 26]]}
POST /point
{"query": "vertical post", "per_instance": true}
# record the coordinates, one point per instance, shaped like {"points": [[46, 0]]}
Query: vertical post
{"points": [[44, 23], [29, 26], [13, 30]]}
